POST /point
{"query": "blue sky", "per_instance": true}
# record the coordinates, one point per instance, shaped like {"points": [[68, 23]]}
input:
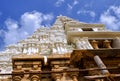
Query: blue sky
{"points": [[20, 18]]}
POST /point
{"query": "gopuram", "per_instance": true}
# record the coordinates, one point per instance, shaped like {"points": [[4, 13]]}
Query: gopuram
{"points": [[69, 50]]}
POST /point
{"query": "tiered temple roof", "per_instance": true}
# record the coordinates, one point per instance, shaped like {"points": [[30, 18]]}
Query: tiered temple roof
{"points": [[62, 41]]}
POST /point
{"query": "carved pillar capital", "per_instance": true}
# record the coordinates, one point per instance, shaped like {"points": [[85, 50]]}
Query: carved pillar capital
{"points": [[26, 77], [63, 78], [56, 76], [74, 77], [35, 78], [17, 78], [95, 44], [74, 74], [106, 44]]}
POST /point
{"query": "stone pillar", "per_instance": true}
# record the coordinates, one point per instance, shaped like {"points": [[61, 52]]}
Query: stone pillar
{"points": [[26, 77], [58, 77], [116, 42], [100, 64], [74, 74], [106, 44], [87, 43], [95, 44], [74, 77], [63, 78], [76, 41], [78, 45]]}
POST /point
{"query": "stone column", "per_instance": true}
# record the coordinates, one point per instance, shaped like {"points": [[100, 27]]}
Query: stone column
{"points": [[25, 78], [74, 74], [63, 78], [116, 42], [79, 44], [95, 44], [76, 41], [101, 65], [74, 78], [106, 44], [56, 76]]}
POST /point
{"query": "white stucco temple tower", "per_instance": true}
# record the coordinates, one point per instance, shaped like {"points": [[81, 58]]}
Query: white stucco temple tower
{"points": [[66, 51]]}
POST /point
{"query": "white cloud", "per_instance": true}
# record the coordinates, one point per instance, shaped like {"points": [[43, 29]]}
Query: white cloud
{"points": [[48, 17], [28, 23], [111, 18], [91, 13], [71, 6], [11, 24], [75, 2], [59, 3], [115, 9]]}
